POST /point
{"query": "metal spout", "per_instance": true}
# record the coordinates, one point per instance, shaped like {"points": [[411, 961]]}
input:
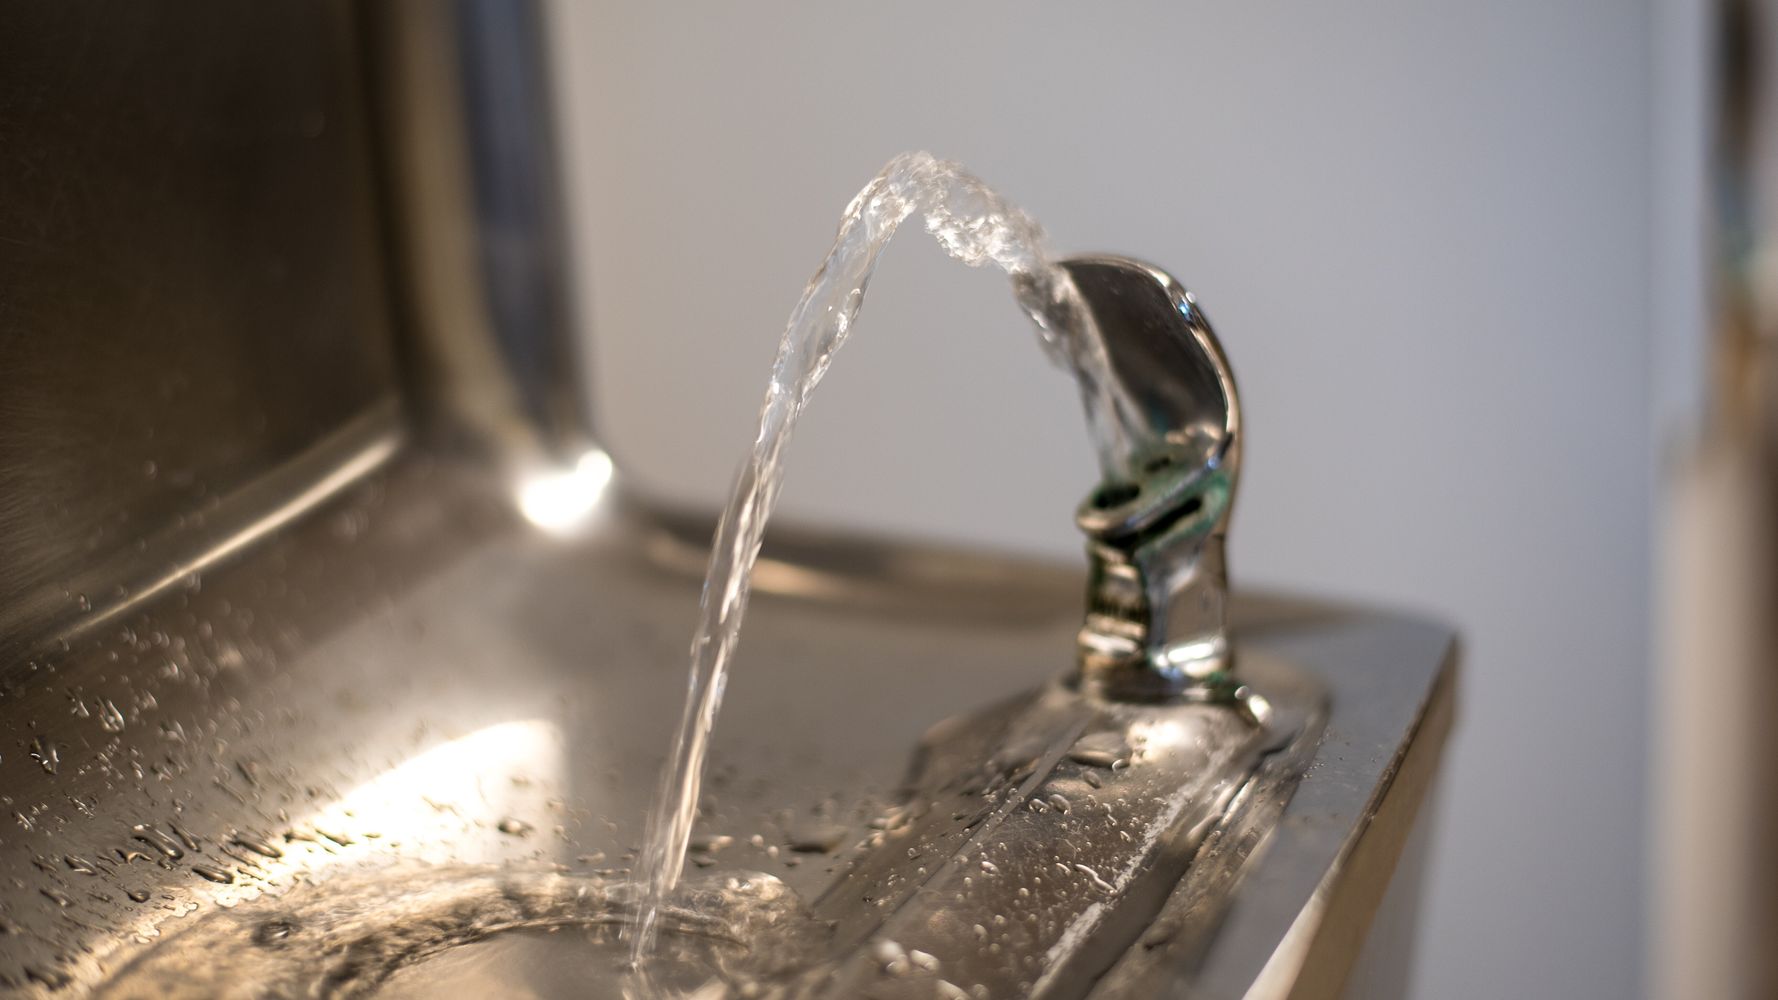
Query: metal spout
{"points": [[1157, 598]]}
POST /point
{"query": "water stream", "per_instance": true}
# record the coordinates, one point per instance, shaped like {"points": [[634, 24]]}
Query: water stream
{"points": [[974, 225]]}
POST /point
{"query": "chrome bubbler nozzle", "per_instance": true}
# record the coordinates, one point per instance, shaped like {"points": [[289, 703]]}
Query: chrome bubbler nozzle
{"points": [[1157, 597]]}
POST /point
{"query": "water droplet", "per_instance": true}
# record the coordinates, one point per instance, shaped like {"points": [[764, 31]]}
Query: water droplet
{"points": [[191, 843], [54, 897], [1098, 883], [46, 755], [157, 840], [212, 873], [923, 961], [891, 957], [273, 932], [514, 827], [139, 895], [256, 845], [1058, 802], [79, 864], [1105, 749], [990, 867]]}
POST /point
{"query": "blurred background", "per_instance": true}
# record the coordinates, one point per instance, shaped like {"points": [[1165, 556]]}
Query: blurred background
{"points": [[1459, 254]]}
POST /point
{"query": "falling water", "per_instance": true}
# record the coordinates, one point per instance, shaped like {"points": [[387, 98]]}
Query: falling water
{"points": [[974, 225]]}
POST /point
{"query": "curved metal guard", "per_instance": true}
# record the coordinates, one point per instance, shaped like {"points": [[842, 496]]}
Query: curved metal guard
{"points": [[1157, 599]]}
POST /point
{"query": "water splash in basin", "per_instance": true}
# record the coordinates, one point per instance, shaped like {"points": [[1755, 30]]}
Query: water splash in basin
{"points": [[458, 930]]}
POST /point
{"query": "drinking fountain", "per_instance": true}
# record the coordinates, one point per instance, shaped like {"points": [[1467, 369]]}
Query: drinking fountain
{"points": [[336, 654]]}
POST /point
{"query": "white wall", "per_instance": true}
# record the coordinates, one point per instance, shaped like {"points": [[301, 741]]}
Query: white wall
{"points": [[1422, 232]]}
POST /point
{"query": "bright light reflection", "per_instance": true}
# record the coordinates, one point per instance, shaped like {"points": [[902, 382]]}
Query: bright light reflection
{"points": [[1188, 654], [430, 797], [1160, 734], [560, 500]]}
